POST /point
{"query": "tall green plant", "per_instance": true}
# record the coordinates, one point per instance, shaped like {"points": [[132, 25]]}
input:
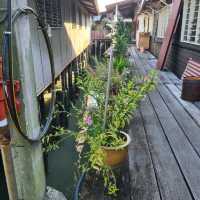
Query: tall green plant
{"points": [[120, 63], [120, 110], [120, 38]]}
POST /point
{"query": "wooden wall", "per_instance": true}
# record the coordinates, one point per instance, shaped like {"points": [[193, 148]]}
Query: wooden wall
{"points": [[68, 41], [180, 51], [155, 45]]}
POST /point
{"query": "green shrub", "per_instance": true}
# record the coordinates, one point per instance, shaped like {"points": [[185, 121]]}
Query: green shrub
{"points": [[120, 63], [121, 38]]}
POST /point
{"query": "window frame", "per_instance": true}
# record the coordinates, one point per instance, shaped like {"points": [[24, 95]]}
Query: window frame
{"points": [[80, 18], [189, 15], [162, 26], [73, 15], [50, 12]]}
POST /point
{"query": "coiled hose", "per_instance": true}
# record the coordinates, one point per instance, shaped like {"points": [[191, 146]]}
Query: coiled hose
{"points": [[8, 64]]}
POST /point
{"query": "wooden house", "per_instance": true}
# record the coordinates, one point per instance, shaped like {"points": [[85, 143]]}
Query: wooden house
{"points": [[69, 24], [69, 29], [154, 17], [125, 9]]}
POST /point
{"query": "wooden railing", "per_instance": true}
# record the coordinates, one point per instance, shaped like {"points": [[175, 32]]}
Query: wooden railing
{"points": [[100, 43]]}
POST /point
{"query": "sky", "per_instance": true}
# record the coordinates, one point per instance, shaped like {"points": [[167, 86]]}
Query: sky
{"points": [[102, 3]]}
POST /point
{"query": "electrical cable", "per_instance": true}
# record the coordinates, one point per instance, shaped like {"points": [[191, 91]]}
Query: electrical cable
{"points": [[8, 62]]}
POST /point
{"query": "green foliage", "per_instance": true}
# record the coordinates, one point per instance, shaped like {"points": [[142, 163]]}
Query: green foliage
{"points": [[57, 134], [51, 142], [121, 38], [120, 63]]}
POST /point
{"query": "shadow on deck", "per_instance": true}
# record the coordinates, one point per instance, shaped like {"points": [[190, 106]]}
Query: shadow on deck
{"points": [[164, 156]]}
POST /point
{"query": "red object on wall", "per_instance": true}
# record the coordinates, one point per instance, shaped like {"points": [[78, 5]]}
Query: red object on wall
{"points": [[2, 99], [171, 28], [3, 110], [17, 90], [2, 104]]}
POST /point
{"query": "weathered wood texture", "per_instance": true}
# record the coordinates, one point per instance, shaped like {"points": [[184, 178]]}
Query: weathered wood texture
{"points": [[27, 158], [164, 154], [68, 41]]}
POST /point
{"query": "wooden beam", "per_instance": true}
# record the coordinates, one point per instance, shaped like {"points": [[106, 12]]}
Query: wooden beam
{"points": [[171, 28]]}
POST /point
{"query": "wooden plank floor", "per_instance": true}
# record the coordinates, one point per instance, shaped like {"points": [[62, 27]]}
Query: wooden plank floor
{"points": [[164, 156]]}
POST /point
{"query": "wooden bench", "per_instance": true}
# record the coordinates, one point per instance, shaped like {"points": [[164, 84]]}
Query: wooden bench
{"points": [[192, 69], [191, 81]]}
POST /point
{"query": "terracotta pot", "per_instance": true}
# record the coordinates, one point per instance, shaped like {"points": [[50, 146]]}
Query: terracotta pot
{"points": [[191, 89], [117, 155]]}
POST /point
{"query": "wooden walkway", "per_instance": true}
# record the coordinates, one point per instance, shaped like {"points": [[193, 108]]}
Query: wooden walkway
{"points": [[164, 156]]}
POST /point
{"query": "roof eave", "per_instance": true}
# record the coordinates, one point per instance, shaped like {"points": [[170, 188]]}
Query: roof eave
{"points": [[91, 6]]}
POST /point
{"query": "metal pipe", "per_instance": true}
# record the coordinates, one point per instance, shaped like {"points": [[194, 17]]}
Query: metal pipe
{"points": [[108, 87], [78, 187]]}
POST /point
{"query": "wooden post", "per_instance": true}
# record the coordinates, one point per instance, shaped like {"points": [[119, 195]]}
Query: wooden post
{"points": [[95, 48], [70, 87], [63, 80], [100, 48], [27, 158], [108, 87], [173, 20], [85, 59], [9, 172]]}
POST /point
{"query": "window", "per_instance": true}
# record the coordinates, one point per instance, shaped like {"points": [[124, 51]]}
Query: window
{"points": [[50, 12], [163, 18], [73, 15], [191, 22], [88, 20], [85, 21], [151, 25], [80, 17]]}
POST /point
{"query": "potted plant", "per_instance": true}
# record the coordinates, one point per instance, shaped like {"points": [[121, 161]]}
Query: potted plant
{"points": [[107, 146]]}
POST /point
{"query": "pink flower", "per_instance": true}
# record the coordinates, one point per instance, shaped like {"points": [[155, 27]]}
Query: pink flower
{"points": [[88, 120]]}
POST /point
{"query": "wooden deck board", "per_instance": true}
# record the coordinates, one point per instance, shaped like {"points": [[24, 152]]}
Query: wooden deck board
{"points": [[185, 121], [173, 85], [171, 183], [187, 158], [168, 76], [143, 180], [189, 107], [172, 133]]}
